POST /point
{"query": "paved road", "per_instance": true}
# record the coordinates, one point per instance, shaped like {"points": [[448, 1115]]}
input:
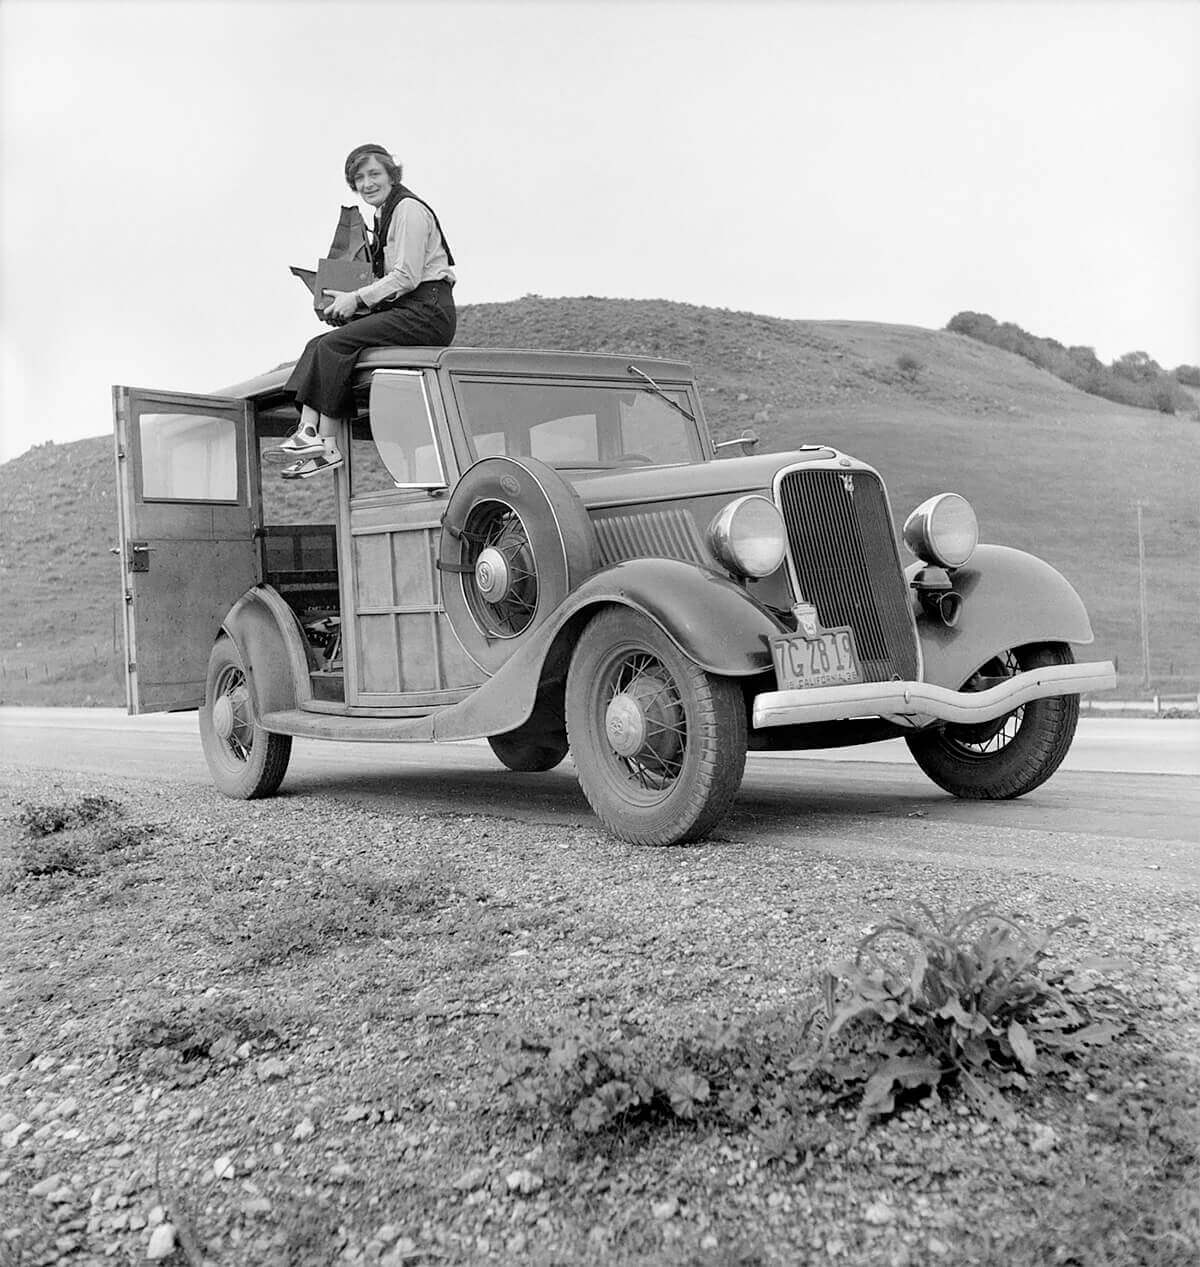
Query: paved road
{"points": [[1126, 801]]}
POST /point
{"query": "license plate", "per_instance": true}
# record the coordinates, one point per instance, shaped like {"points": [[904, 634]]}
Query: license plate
{"points": [[826, 660]]}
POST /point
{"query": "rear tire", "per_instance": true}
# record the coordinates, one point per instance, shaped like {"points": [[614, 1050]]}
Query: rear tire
{"points": [[526, 755], [659, 744], [245, 761], [1012, 755]]}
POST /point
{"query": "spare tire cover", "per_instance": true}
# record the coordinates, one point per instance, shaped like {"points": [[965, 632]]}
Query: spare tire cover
{"points": [[516, 540]]}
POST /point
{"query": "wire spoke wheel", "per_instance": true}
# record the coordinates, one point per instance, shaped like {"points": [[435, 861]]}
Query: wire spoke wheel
{"points": [[659, 744], [500, 579], [1012, 754], [244, 759]]}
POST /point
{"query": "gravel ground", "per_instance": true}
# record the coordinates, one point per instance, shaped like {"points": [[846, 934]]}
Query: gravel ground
{"points": [[271, 1032]]}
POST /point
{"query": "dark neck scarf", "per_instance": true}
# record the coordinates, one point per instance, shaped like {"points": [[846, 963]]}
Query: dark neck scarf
{"points": [[383, 220]]}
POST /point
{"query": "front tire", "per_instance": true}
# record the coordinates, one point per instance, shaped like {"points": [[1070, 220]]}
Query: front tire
{"points": [[245, 760], [659, 744], [1012, 755]]}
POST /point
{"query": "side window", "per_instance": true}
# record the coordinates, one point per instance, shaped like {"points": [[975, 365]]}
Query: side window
{"points": [[402, 429], [188, 457]]}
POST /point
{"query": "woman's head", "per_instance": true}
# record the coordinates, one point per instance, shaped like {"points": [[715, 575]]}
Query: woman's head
{"points": [[371, 172]]}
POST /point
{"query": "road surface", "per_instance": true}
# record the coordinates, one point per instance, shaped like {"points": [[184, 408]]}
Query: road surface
{"points": [[1127, 797]]}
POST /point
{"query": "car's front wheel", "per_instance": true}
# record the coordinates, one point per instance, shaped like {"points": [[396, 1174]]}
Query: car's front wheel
{"points": [[659, 744], [245, 760], [1013, 754]]}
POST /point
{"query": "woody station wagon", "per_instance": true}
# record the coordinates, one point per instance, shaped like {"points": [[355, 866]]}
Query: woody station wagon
{"points": [[547, 550]]}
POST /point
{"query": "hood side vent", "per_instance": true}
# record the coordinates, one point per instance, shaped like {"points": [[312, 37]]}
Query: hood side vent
{"points": [[664, 534]]}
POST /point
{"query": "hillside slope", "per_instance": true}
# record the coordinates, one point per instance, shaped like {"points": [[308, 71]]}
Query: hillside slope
{"points": [[1048, 468]]}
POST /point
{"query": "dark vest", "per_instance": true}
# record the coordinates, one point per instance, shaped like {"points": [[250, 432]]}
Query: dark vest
{"points": [[383, 219]]}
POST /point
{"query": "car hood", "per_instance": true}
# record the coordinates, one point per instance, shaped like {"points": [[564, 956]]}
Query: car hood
{"points": [[647, 484]]}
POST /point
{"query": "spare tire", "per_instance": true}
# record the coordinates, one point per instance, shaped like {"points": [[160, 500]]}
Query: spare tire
{"points": [[516, 540]]}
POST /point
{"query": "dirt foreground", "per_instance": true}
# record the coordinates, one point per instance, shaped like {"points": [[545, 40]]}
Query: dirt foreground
{"points": [[285, 1032]]}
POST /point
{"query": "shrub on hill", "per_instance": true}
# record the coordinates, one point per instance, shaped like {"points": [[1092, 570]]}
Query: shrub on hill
{"points": [[1133, 379]]}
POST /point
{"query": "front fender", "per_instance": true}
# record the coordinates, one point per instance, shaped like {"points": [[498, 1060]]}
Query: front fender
{"points": [[709, 618], [1010, 599], [273, 649]]}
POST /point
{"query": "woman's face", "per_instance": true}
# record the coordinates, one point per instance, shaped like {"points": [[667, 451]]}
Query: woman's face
{"points": [[372, 183]]}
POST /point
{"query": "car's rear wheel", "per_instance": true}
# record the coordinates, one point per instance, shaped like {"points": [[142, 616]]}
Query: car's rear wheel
{"points": [[528, 755], [1013, 754], [659, 744], [245, 760]]}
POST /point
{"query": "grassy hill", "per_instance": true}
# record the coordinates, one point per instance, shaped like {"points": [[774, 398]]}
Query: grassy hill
{"points": [[1048, 468]]}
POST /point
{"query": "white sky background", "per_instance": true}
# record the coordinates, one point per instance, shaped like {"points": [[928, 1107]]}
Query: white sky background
{"points": [[163, 163]]}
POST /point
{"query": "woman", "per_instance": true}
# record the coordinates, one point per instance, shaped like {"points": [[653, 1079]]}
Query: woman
{"points": [[410, 304]]}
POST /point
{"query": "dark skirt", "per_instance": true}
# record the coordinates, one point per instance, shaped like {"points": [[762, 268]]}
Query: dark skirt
{"points": [[425, 317]]}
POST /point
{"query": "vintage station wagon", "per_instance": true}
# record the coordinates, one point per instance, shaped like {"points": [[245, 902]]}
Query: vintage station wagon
{"points": [[547, 550]]}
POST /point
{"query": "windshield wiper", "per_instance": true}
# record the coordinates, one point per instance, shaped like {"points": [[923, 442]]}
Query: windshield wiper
{"points": [[658, 391]]}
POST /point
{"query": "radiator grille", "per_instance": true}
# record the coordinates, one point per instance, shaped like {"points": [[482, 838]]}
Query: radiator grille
{"points": [[844, 553]]}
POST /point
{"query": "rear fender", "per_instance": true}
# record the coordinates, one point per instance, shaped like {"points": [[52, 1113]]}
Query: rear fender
{"points": [[1009, 599], [273, 649]]}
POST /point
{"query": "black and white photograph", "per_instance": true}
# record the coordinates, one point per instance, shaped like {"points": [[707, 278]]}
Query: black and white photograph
{"points": [[600, 633]]}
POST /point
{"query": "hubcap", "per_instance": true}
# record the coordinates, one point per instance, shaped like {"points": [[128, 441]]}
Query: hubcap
{"points": [[625, 725], [491, 575], [644, 722], [222, 716]]}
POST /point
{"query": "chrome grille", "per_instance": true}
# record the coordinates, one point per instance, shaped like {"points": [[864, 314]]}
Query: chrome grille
{"points": [[846, 563]]}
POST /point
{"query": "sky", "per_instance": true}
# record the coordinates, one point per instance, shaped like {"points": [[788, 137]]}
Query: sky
{"points": [[162, 162]]}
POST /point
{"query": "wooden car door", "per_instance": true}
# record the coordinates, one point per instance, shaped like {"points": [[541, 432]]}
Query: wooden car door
{"points": [[188, 510]]}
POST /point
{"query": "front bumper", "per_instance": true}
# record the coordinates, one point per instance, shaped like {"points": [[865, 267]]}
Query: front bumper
{"points": [[919, 704]]}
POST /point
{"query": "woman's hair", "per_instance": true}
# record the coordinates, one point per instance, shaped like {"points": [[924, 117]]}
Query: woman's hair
{"points": [[359, 155]]}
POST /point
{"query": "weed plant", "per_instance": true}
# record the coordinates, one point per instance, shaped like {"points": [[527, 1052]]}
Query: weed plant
{"points": [[965, 1001]]}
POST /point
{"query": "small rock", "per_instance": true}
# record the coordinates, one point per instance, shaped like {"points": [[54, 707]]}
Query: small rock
{"points": [[304, 1128], [137, 1221], [663, 1210], [243, 1052], [878, 1213], [938, 1247], [65, 1108], [194, 1116], [516, 1244], [523, 1181], [708, 1241], [1044, 1139], [257, 1205], [10, 1139], [340, 1171], [401, 1253], [272, 1069], [387, 1233], [834, 1247], [50, 1184], [123, 1150], [8, 1121], [223, 1168], [471, 1179], [162, 1241], [156, 1215]]}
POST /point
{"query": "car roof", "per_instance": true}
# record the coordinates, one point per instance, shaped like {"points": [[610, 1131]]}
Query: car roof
{"points": [[482, 361]]}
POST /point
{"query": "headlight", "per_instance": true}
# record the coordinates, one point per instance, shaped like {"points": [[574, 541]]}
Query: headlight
{"points": [[748, 536], [943, 530]]}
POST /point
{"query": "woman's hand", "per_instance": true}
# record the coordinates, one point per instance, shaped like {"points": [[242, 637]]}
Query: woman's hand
{"points": [[343, 306]]}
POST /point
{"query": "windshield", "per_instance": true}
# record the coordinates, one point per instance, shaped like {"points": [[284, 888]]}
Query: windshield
{"points": [[577, 425]]}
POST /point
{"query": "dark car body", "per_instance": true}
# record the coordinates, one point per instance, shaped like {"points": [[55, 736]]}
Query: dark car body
{"points": [[447, 583]]}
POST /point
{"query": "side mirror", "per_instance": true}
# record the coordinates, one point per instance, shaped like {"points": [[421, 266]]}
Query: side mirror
{"points": [[748, 439]]}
